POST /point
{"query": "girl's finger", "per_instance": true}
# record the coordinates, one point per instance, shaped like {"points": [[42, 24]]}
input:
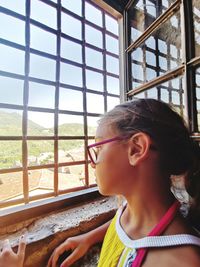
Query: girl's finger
{"points": [[6, 245], [22, 245]]}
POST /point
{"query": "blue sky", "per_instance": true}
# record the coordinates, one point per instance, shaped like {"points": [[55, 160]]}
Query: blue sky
{"points": [[12, 60]]}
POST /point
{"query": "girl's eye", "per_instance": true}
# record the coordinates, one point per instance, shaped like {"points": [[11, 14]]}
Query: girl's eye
{"points": [[98, 148]]}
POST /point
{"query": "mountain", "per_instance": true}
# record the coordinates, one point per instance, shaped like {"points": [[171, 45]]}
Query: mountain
{"points": [[11, 151]]}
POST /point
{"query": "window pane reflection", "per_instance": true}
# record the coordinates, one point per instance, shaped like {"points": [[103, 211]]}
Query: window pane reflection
{"points": [[38, 9], [11, 186], [196, 18], [74, 31], [41, 181], [70, 100], [12, 60], [70, 125], [95, 103], [71, 176], [71, 50], [92, 14], [10, 154], [143, 13], [10, 122], [157, 62], [198, 95], [11, 91], [12, 29], [47, 67], [40, 152], [42, 40], [90, 32], [70, 150], [94, 80], [40, 123]]}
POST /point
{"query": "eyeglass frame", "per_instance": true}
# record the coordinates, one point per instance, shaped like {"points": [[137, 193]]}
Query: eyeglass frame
{"points": [[116, 138]]}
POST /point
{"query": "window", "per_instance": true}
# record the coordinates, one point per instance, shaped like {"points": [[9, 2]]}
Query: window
{"points": [[158, 49], [52, 92]]}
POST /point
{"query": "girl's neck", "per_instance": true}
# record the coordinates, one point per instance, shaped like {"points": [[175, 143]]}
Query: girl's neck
{"points": [[142, 214]]}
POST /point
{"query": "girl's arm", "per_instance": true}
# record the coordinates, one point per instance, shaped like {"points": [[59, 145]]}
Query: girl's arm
{"points": [[79, 245]]}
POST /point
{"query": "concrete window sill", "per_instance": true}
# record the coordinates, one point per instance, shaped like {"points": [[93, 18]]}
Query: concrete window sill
{"points": [[45, 233]]}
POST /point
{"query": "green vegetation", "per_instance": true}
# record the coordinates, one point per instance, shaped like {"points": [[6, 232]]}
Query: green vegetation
{"points": [[11, 151]]}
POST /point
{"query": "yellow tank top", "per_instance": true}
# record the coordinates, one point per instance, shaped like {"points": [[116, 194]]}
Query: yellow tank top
{"points": [[112, 247]]}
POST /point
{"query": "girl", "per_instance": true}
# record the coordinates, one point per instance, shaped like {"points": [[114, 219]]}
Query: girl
{"points": [[139, 145]]}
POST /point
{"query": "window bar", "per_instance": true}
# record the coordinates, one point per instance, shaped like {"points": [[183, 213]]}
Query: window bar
{"points": [[84, 96], [161, 79], [104, 62], [155, 25], [189, 50], [127, 56], [57, 98], [25, 111]]}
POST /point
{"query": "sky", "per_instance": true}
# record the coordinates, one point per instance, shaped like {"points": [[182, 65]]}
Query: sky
{"points": [[12, 60]]}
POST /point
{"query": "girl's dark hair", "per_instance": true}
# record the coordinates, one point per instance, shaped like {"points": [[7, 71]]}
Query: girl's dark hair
{"points": [[179, 154]]}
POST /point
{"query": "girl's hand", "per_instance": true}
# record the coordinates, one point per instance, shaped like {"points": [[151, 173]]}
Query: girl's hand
{"points": [[8, 258], [79, 246]]}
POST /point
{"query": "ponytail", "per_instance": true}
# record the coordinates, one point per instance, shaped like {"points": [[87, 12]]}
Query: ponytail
{"points": [[192, 185]]}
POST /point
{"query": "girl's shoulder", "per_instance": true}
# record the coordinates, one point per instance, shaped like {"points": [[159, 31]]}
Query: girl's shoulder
{"points": [[184, 256]]}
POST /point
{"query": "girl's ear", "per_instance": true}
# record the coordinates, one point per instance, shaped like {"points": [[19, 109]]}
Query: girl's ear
{"points": [[139, 145]]}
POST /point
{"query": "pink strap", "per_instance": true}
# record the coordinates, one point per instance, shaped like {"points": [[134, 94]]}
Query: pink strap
{"points": [[157, 230]]}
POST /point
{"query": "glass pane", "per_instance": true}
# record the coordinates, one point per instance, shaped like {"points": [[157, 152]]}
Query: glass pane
{"points": [[70, 151], [13, 29], [93, 14], [143, 13], [94, 80], [12, 60], [11, 91], [70, 74], [92, 125], [165, 58], [70, 125], [11, 185], [16, 6], [71, 50], [90, 32], [94, 58], [41, 181], [198, 95], [40, 152], [10, 154], [196, 18], [10, 122], [75, 31], [112, 85], [41, 95], [112, 102], [40, 123], [71, 176], [111, 24], [170, 92], [95, 103], [41, 67], [112, 44], [112, 64], [74, 6], [44, 13], [42, 40], [70, 100]]}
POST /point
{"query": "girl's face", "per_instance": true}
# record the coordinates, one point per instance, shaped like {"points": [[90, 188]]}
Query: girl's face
{"points": [[112, 161]]}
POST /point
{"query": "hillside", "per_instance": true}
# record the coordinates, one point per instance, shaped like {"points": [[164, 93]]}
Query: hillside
{"points": [[11, 151]]}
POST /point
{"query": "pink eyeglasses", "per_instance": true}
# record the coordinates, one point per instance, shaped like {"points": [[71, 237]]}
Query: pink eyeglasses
{"points": [[93, 149]]}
